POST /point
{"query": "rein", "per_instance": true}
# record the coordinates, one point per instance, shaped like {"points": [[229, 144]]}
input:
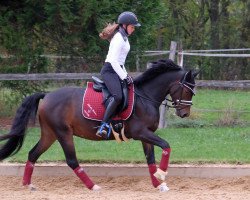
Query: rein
{"points": [[178, 102], [148, 98]]}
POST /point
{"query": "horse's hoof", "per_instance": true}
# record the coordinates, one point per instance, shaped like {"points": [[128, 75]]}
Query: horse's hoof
{"points": [[163, 187], [160, 174], [31, 187], [96, 188]]}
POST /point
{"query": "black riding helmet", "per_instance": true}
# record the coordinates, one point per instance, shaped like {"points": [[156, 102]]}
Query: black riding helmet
{"points": [[128, 18]]}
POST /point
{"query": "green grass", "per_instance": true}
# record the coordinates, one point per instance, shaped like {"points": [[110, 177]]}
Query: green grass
{"points": [[218, 131], [210, 145], [213, 107], [222, 100], [189, 145]]}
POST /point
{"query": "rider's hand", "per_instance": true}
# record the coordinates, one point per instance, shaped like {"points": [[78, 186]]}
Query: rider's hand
{"points": [[129, 80]]}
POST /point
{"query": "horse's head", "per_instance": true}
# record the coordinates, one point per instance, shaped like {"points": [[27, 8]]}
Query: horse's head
{"points": [[182, 92], [160, 80]]}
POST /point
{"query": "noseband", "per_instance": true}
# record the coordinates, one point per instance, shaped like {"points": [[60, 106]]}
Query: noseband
{"points": [[179, 103]]}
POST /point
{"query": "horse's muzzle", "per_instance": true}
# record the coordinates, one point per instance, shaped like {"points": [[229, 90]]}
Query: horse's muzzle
{"points": [[183, 113]]}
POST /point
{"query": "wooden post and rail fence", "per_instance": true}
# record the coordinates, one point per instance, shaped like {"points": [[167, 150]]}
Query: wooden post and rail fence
{"points": [[239, 84]]}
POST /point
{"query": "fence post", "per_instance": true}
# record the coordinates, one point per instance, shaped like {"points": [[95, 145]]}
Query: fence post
{"points": [[180, 55], [163, 122]]}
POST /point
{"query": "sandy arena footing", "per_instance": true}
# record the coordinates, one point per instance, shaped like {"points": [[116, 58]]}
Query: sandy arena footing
{"points": [[56, 181]]}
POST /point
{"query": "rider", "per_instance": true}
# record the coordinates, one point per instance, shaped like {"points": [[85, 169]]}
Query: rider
{"points": [[114, 70]]}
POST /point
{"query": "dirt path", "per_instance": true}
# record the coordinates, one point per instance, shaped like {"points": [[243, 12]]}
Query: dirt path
{"points": [[124, 188]]}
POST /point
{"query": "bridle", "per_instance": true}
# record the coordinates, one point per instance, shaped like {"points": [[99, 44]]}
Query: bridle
{"points": [[178, 103]]}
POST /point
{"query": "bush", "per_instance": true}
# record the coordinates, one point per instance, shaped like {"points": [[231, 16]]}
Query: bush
{"points": [[9, 101]]}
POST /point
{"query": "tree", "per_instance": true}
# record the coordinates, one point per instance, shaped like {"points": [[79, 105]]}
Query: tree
{"points": [[30, 28]]}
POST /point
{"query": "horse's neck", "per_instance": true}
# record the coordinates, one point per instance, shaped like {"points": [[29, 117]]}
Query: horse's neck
{"points": [[158, 88]]}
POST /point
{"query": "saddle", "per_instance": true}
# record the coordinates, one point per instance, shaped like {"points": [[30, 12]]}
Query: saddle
{"points": [[99, 86], [95, 101]]}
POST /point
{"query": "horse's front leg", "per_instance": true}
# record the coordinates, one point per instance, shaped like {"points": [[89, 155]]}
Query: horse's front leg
{"points": [[149, 137], [150, 157]]}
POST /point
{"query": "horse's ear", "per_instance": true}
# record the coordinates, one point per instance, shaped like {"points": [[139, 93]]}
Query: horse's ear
{"points": [[195, 73], [188, 76]]}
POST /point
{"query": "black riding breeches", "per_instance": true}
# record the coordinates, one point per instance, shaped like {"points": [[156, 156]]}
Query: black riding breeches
{"points": [[112, 81]]}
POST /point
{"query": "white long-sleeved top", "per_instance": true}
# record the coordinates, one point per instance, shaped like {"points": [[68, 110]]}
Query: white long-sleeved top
{"points": [[118, 51]]}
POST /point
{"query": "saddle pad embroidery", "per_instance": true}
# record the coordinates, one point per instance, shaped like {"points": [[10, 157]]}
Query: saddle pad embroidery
{"points": [[93, 108]]}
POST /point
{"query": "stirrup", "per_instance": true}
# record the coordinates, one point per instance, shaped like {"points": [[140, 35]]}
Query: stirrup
{"points": [[105, 129]]}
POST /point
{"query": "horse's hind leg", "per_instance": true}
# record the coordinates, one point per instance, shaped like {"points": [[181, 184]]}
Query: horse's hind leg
{"points": [[66, 140], [43, 144]]}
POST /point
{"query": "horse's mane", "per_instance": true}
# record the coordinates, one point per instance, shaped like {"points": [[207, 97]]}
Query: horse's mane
{"points": [[156, 68]]}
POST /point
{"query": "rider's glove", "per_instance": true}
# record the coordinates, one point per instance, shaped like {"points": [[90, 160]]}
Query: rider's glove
{"points": [[129, 79]]}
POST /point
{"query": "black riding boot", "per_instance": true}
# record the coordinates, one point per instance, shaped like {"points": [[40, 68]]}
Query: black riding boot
{"points": [[109, 113]]}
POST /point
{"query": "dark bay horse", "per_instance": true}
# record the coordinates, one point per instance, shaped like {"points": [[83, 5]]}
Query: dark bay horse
{"points": [[60, 117]]}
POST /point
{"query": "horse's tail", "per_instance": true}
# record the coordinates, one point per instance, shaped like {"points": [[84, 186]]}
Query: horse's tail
{"points": [[15, 137]]}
